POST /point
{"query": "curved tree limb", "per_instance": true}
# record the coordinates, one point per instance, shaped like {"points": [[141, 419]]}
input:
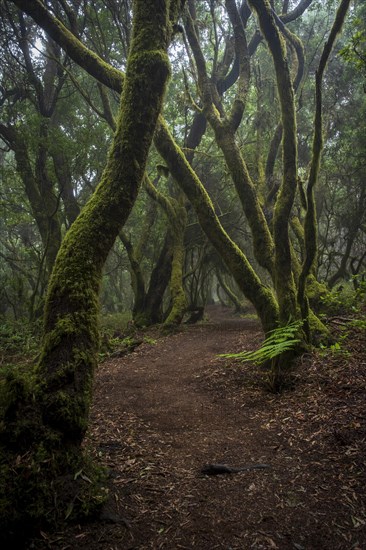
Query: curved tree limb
{"points": [[88, 60], [310, 218], [284, 282]]}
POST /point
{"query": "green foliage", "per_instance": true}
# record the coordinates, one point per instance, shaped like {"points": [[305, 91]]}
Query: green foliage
{"points": [[360, 292], [114, 322], [276, 354], [19, 340], [150, 341], [337, 349], [113, 327], [359, 324], [345, 298], [355, 51], [279, 341]]}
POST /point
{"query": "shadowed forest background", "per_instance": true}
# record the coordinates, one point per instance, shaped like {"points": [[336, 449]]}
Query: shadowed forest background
{"points": [[159, 158]]}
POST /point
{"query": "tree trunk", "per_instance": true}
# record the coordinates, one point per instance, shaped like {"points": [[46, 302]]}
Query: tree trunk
{"points": [[71, 335], [237, 263], [178, 296], [57, 402], [229, 293], [159, 280], [284, 281], [137, 278]]}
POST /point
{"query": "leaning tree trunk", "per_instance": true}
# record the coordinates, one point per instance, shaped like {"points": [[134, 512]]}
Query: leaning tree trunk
{"points": [[249, 283], [46, 417], [71, 335]]}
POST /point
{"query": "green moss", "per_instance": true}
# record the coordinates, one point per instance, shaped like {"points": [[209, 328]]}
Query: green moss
{"points": [[284, 282], [320, 334], [263, 246], [54, 405], [44, 475], [249, 283], [179, 301], [70, 344], [20, 415], [65, 408], [84, 57], [38, 490], [316, 292], [37, 485]]}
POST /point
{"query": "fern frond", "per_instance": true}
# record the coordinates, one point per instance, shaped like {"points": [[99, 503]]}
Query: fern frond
{"points": [[279, 341]]}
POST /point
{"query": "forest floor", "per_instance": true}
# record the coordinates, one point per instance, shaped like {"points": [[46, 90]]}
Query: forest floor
{"points": [[164, 411]]}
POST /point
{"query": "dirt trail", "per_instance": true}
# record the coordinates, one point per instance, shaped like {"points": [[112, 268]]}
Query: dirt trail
{"points": [[161, 385], [181, 424], [164, 411]]}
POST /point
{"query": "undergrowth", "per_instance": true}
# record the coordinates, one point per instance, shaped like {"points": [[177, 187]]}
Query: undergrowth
{"points": [[19, 341], [275, 354], [349, 297]]}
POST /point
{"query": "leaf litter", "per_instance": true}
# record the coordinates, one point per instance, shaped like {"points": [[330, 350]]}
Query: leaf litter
{"points": [[171, 406]]}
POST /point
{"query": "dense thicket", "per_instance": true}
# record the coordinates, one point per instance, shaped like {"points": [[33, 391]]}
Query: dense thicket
{"points": [[57, 125]]}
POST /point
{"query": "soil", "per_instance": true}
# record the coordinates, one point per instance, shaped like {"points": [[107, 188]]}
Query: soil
{"points": [[170, 407]]}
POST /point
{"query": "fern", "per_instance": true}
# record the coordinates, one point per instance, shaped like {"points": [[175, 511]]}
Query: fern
{"points": [[279, 341]]}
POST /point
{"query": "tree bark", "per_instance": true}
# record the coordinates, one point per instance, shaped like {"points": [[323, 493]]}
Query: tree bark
{"points": [[159, 280], [47, 417], [71, 336], [177, 219], [310, 229], [284, 281], [237, 263]]}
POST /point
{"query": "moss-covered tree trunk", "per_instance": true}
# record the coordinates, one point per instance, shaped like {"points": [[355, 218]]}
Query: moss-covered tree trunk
{"points": [[246, 278], [159, 281], [178, 297], [55, 406], [135, 253], [177, 219], [239, 307], [310, 226], [284, 280], [71, 336], [137, 279]]}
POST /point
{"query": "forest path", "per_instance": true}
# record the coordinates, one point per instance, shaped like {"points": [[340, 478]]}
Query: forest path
{"points": [[162, 412], [161, 384], [161, 418]]}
